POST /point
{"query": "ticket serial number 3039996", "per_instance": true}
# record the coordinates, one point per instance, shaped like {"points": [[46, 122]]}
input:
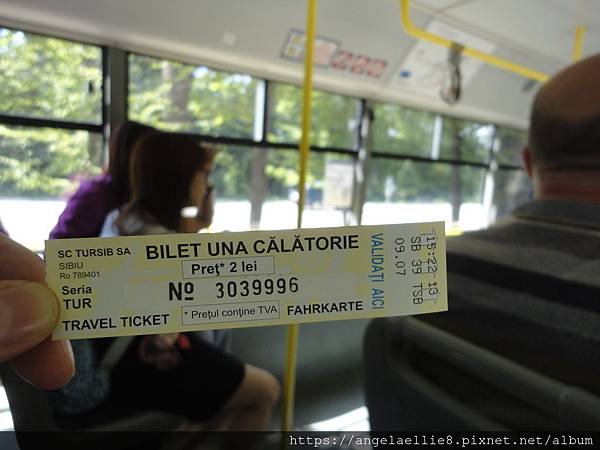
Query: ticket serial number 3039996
{"points": [[265, 286]]}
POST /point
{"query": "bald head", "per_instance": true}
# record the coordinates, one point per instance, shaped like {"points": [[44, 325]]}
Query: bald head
{"points": [[565, 118]]}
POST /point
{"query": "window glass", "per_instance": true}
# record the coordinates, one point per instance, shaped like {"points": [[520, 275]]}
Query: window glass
{"points": [[511, 143], [409, 191], [232, 180], [401, 130], [333, 121], [464, 140], [512, 189], [407, 131], [182, 97], [39, 169], [329, 190], [49, 78], [258, 188]]}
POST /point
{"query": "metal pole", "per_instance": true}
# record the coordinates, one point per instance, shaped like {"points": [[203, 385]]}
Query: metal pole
{"points": [[578, 44], [292, 332]]}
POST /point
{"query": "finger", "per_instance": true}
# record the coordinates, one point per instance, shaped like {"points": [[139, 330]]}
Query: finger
{"points": [[172, 337], [28, 313], [49, 365], [18, 263], [161, 343], [165, 341]]}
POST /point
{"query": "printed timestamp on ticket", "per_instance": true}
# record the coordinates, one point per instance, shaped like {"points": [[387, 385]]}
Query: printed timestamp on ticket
{"points": [[185, 282]]}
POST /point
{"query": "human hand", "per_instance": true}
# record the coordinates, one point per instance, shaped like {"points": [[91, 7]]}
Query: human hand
{"points": [[159, 350], [206, 213], [202, 215], [164, 341], [28, 313]]}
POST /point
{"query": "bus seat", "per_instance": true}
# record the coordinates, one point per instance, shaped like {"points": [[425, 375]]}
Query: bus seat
{"points": [[31, 411], [401, 395]]}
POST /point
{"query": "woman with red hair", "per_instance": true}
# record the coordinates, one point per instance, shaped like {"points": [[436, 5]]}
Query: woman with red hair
{"points": [[180, 372]]}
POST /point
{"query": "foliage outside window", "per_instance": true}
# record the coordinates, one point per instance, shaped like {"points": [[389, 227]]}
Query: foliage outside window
{"points": [[257, 188], [181, 97], [405, 190], [402, 130], [464, 140], [414, 181], [46, 162], [39, 169], [49, 78], [333, 122], [512, 189], [511, 143], [46, 79], [411, 132], [245, 178]]}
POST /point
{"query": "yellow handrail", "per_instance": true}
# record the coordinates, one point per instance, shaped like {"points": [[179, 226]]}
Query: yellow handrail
{"points": [[419, 33], [578, 44], [292, 330]]}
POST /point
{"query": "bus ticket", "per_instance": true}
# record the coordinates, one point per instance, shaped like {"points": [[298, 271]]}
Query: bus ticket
{"points": [[185, 282]]}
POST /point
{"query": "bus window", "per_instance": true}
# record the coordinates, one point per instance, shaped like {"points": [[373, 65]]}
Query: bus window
{"points": [[56, 85], [257, 188], [334, 117], [403, 131], [48, 78], [174, 96], [39, 169], [403, 190]]}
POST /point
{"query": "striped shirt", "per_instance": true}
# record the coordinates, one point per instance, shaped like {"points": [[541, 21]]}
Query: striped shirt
{"points": [[527, 288]]}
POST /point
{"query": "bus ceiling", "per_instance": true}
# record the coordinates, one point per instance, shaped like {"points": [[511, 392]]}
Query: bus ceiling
{"points": [[361, 48]]}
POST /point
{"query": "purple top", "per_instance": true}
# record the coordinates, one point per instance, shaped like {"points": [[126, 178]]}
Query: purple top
{"points": [[86, 210]]}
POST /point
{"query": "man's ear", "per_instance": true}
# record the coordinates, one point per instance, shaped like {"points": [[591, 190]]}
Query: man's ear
{"points": [[526, 154]]}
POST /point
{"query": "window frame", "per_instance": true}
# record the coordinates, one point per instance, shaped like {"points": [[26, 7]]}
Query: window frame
{"points": [[115, 111]]}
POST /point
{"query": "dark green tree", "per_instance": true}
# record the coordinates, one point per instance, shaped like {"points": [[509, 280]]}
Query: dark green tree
{"points": [[48, 78]]}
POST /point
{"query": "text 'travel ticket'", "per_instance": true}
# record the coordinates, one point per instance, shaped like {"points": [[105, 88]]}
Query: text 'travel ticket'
{"points": [[185, 282]]}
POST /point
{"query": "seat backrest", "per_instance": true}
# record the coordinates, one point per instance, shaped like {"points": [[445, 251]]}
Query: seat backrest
{"points": [[31, 411], [29, 406], [400, 396]]}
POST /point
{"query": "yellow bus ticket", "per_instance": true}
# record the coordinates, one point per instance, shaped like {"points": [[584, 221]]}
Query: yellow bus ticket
{"points": [[185, 282]]}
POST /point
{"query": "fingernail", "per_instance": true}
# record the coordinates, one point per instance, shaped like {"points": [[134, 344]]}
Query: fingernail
{"points": [[28, 310]]}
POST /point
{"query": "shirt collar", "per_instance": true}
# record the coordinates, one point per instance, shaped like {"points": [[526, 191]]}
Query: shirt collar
{"points": [[570, 213]]}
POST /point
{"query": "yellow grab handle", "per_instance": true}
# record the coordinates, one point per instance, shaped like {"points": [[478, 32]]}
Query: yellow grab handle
{"points": [[578, 44], [419, 33]]}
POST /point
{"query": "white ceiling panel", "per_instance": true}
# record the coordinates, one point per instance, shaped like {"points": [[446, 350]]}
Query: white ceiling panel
{"points": [[249, 36], [441, 6], [544, 26]]}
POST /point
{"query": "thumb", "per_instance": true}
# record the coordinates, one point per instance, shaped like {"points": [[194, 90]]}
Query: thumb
{"points": [[28, 313]]}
